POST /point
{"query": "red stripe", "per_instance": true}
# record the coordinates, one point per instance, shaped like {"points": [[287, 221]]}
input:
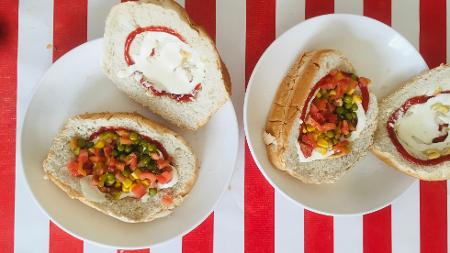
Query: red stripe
{"points": [[8, 92], [259, 196], [377, 225], [379, 10], [433, 195], [200, 240], [318, 7], [377, 231], [69, 31], [318, 232], [318, 228], [203, 12]]}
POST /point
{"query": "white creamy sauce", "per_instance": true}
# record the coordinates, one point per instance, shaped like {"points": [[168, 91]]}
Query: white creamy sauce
{"points": [[174, 66], [91, 192], [316, 155], [417, 128]]}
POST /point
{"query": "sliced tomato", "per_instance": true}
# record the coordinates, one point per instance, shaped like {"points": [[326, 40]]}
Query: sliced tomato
{"points": [[342, 147], [309, 140], [107, 151], [344, 127], [330, 117], [327, 84], [73, 168], [306, 149], [321, 104], [148, 175], [165, 177], [161, 164], [96, 159], [312, 122], [167, 199], [327, 127], [120, 166], [313, 108], [139, 190], [83, 156]]}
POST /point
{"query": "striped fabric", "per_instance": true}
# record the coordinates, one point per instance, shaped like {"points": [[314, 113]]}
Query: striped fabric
{"points": [[252, 216]]}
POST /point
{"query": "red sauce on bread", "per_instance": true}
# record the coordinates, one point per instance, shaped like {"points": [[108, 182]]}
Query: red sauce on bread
{"points": [[146, 84], [393, 136]]}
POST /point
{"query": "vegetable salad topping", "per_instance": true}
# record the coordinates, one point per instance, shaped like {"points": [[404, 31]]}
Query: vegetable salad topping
{"points": [[122, 163], [332, 115]]}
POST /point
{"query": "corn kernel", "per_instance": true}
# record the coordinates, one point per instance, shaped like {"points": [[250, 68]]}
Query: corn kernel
{"points": [[145, 182], [318, 95], [323, 151], [310, 128], [136, 174], [356, 99], [440, 108], [304, 130], [350, 92], [127, 183], [125, 189], [322, 143], [117, 184], [332, 92], [99, 144]]}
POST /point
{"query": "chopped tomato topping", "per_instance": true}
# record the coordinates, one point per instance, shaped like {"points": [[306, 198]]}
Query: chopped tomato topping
{"points": [[73, 168], [148, 175], [309, 140], [139, 190], [167, 199], [306, 149], [132, 161], [165, 177], [344, 127], [83, 156], [162, 163], [125, 141]]}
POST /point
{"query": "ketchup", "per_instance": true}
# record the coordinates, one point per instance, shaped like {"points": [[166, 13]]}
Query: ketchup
{"points": [[146, 84], [146, 138], [393, 136]]}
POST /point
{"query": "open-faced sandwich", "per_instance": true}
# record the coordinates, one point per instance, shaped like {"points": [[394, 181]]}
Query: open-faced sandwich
{"points": [[122, 164], [156, 55], [413, 127], [322, 119]]}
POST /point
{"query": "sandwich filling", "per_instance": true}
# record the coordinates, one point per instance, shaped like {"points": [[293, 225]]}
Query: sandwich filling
{"points": [[164, 63], [419, 129], [333, 116], [114, 163]]}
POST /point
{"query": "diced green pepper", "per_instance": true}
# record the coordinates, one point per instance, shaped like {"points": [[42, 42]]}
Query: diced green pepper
{"points": [[152, 192]]}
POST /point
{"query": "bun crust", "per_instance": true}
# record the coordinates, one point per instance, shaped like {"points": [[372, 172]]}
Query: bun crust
{"points": [[424, 84], [283, 121], [127, 209], [216, 87]]}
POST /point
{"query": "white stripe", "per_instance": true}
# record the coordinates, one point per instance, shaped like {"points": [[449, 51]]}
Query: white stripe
{"points": [[172, 246], [94, 248], [288, 13], [31, 233], [348, 235], [406, 221], [289, 225], [405, 19], [230, 38], [97, 12], [349, 6]]}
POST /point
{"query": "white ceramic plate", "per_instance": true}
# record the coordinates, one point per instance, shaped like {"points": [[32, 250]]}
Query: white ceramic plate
{"points": [[377, 52], [75, 84]]}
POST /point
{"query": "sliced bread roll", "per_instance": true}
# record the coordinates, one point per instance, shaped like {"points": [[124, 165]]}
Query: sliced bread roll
{"points": [[127, 208], [198, 61], [283, 123], [429, 83]]}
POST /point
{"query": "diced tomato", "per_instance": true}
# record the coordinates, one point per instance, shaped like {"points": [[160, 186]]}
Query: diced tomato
{"points": [[120, 177], [161, 164], [330, 117], [125, 141], [88, 167], [167, 200], [321, 104], [313, 109], [120, 166], [327, 127], [364, 82], [148, 175], [342, 147], [132, 161], [96, 159], [99, 169], [107, 151], [327, 84], [306, 149], [312, 122], [80, 170], [139, 190], [83, 156], [309, 140], [122, 133], [73, 168], [165, 177], [318, 117], [344, 127]]}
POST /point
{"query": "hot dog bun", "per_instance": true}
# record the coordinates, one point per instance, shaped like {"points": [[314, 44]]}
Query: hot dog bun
{"points": [[127, 209], [425, 84], [282, 127], [123, 19]]}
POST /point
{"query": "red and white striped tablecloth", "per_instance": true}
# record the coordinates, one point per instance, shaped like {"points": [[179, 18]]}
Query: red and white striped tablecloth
{"points": [[252, 216]]}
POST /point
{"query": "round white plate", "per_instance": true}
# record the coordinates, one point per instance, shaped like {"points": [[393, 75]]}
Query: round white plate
{"points": [[75, 84], [377, 52]]}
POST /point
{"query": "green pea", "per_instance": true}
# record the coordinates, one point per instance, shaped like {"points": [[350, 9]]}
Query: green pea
{"points": [[152, 192], [349, 116], [354, 107], [126, 172], [144, 162], [330, 134], [89, 144], [120, 147], [354, 115], [128, 149], [81, 142], [76, 151], [348, 100], [110, 179], [115, 153], [152, 147], [348, 106], [340, 110], [354, 77]]}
